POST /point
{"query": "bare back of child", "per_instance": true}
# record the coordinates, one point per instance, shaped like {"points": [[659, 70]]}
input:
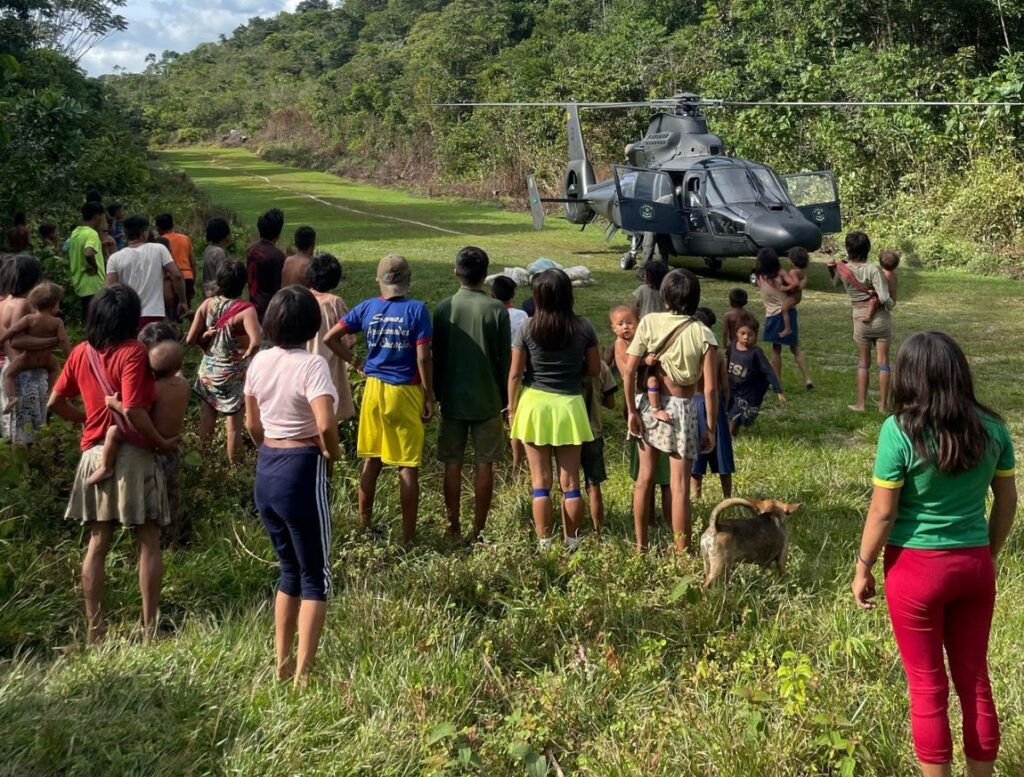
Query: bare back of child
{"points": [[167, 411], [793, 283], [41, 323], [889, 260]]}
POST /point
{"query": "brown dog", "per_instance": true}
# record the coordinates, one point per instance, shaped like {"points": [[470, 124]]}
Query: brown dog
{"points": [[760, 540]]}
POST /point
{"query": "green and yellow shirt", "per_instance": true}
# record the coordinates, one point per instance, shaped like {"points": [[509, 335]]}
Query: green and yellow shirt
{"points": [[938, 510]]}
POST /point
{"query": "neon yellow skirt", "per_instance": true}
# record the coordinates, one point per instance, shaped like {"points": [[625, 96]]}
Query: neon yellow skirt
{"points": [[546, 418]]}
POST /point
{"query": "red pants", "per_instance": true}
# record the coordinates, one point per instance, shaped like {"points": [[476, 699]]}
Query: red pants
{"points": [[944, 598]]}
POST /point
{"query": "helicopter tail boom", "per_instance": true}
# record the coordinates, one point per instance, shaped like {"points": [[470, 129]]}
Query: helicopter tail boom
{"points": [[579, 173]]}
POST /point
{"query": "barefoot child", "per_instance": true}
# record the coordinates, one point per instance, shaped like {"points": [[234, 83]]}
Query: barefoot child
{"points": [[598, 391], [167, 410], [43, 322], [793, 283], [737, 309], [750, 376], [720, 459], [889, 260]]}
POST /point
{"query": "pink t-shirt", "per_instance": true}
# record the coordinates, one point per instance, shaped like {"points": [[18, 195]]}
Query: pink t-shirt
{"points": [[284, 381]]}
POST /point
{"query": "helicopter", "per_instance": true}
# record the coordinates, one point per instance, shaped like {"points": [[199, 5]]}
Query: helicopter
{"points": [[680, 187], [680, 190]]}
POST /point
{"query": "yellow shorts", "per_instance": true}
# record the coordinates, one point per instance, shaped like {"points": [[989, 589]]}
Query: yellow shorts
{"points": [[390, 428]]}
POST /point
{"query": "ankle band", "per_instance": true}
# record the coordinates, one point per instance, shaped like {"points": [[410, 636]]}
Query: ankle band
{"points": [[884, 368], [863, 367], [541, 493], [574, 494]]}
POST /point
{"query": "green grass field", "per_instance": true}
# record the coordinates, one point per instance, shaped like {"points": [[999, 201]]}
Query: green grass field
{"points": [[498, 660]]}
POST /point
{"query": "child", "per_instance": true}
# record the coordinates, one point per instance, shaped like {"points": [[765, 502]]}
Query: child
{"points": [[45, 301], [167, 410], [648, 294], [598, 392], [503, 289], [115, 224], [889, 260], [18, 235], [398, 397], [322, 277], [750, 375], [49, 240], [624, 321], [737, 309], [793, 283], [721, 458]]}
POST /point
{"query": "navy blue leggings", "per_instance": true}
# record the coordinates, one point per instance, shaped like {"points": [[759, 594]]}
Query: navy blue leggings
{"points": [[291, 496]]}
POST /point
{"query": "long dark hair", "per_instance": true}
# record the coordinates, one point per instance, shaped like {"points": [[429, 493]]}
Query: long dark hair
{"points": [[767, 264], [113, 316], [934, 403], [554, 323]]}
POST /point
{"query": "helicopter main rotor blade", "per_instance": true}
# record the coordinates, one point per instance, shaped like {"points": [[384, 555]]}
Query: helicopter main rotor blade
{"points": [[858, 103], [563, 104]]}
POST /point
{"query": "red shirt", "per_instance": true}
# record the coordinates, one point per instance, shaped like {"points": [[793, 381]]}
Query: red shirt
{"points": [[127, 366]]}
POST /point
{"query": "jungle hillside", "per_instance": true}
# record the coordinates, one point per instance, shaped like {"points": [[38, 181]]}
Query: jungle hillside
{"points": [[351, 88]]}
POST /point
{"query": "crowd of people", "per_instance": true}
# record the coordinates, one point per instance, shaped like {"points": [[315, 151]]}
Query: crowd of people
{"points": [[278, 348]]}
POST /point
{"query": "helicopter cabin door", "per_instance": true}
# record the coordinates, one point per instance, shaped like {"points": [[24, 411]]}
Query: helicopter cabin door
{"points": [[816, 196], [647, 201]]}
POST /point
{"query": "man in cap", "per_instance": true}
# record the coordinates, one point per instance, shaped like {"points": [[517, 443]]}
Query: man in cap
{"points": [[398, 398]]}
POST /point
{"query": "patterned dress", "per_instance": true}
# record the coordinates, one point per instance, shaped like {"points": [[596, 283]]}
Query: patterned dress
{"points": [[222, 370]]}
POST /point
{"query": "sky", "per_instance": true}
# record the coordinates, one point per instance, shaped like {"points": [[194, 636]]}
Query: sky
{"points": [[179, 25]]}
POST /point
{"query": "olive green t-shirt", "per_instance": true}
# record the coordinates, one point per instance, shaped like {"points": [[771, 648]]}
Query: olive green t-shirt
{"points": [[936, 509], [472, 355]]}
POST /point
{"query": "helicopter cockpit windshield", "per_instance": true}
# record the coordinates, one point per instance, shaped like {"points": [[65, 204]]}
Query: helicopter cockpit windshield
{"points": [[727, 186]]}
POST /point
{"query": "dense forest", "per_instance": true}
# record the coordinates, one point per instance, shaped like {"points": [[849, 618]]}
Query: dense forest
{"points": [[351, 88], [61, 133]]}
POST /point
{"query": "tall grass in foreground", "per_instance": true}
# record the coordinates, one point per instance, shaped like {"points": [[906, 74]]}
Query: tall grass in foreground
{"points": [[497, 660]]}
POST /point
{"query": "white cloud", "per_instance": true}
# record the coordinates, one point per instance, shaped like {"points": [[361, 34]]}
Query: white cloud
{"points": [[155, 26]]}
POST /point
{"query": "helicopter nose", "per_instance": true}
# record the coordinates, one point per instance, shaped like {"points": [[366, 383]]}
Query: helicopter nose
{"points": [[782, 230]]}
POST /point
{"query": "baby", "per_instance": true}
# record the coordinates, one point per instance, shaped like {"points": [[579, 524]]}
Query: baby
{"points": [[889, 260], [737, 309], [167, 411], [45, 301], [623, 320], [793, 283]]}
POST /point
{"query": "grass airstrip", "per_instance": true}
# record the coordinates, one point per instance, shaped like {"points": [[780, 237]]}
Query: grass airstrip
{"points": [[496, 660]]}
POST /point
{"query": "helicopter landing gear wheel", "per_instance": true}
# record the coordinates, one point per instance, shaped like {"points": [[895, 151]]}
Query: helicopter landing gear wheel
{"points": [[627, 261], [713, 263]]}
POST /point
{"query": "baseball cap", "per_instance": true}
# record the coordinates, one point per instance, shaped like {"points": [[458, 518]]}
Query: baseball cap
{"points": [[394, 276]]}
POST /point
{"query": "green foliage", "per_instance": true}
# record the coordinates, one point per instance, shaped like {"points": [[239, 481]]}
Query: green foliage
{"points": [[351, 89], [63, 134]]}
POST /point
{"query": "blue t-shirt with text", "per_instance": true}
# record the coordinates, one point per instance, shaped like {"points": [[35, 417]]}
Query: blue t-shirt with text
{"points": [[393, 327]]}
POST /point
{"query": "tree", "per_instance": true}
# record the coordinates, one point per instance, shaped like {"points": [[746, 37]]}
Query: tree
{"points": [[73, 27]]}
